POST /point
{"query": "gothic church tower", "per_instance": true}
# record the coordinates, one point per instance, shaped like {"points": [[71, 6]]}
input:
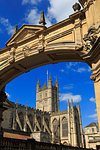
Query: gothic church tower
{"points": [[47, 97]]}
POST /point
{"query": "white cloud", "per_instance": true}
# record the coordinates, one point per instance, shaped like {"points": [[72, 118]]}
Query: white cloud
{"points": [[5, 22], [66, 96], [71, 64], [94, 116], [30, 1], [70, 86], [60, 9], [33, 17], [81, 69], [62, 70], [8, 95], [92, 99]]}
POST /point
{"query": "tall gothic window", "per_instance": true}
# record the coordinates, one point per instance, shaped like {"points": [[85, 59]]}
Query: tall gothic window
{"points": [[64, 127], [55, 128]]}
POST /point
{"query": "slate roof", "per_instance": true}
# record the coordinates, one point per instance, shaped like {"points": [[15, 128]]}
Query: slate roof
{"points": [[91, 124]]}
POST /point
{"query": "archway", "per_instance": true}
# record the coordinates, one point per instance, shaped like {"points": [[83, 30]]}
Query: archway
{"points": [[74, 39]]}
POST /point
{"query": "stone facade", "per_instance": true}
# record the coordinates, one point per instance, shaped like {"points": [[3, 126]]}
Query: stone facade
{"points": [[76, 38], [92, 136], [46, 123]]}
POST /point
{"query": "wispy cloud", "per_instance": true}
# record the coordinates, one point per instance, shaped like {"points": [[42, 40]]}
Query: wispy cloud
{"points": [[33, 17], [54, 10], [77, 67], [8, 95], [71, 64], [5, 22], [68, 87], [60, 9], [92, 99], [62, 70], [66, 96], [80, 70], [30, 1], [94, 116]]}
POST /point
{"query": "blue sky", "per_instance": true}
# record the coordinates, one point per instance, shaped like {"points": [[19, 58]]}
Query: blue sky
{"points": [[74, 78]]}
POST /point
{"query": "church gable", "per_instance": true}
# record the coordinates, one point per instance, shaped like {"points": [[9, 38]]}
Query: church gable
{"points": [[24, 33]]}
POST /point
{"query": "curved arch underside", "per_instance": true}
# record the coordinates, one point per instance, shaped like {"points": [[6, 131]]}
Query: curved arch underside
{"points": [[52, 55]]}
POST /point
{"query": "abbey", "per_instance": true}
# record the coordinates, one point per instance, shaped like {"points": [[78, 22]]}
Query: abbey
{"points": [[46, 123]]}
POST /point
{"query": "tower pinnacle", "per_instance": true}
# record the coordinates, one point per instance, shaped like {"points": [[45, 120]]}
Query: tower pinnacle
{"points": [[56, 83], [42, 19], [15, 30]]}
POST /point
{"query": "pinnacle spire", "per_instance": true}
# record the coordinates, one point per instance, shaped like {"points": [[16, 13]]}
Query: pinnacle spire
{"points": [[56, 80], [38, 83], [26, 105], [78, 106], [45, 85], [71, 103], [15, 30], [68, 105], [17, 103], [42, 19], [56, 83], [50, 78]]}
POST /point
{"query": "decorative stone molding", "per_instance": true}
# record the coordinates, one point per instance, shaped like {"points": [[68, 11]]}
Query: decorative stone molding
{"points": [[76, 7], [41, 43], [90, 38], [11, 58], [25, 51]]}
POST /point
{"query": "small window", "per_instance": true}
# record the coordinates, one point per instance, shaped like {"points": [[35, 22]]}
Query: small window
{"points": [[92, 129], [88, 131], [97, 129]]}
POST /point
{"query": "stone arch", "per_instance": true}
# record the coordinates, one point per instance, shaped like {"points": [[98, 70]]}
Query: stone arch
{"points": [[74, 39]]}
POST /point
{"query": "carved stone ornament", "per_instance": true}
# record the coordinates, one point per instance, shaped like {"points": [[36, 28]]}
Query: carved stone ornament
{"points": [[12, 55], [25, 51], [41, 43], [3, 97], [90, 38], [76, 7]]}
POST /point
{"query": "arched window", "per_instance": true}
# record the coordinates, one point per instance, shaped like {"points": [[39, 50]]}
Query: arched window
{"points": [[64, 127], [55, 128]]}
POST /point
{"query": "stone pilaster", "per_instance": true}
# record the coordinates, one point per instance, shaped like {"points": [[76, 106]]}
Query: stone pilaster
{"points": [[96, 78]]}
